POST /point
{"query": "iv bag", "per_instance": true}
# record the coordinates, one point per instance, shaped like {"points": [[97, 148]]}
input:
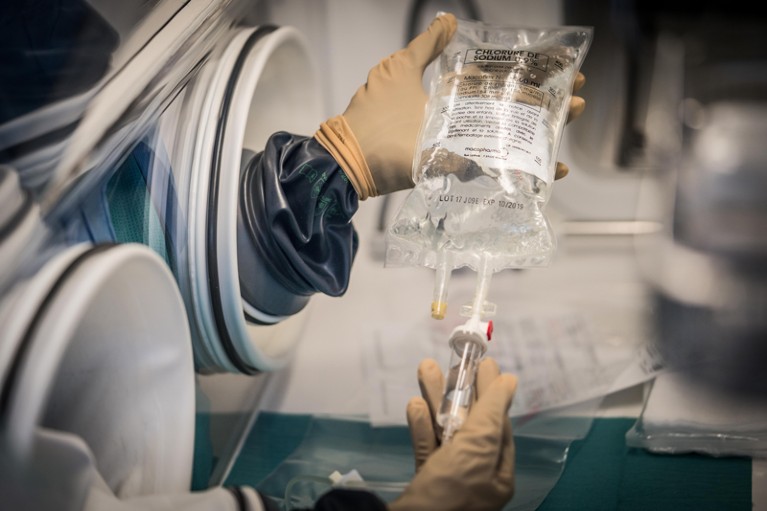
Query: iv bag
{"points": [[486, 153]]}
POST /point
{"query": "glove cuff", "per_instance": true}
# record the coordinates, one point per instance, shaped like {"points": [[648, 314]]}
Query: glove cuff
{"points": [[337, 138]]}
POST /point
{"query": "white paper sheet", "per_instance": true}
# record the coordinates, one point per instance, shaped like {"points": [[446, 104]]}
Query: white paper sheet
{"points": [[556, 355]]}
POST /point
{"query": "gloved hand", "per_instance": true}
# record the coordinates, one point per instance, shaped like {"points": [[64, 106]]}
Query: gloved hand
{"points": [[575, 109], [374, 139], [475, 470]]}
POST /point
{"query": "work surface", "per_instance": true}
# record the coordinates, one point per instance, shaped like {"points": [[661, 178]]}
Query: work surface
{"points": [[600, 471], [595, 277]]}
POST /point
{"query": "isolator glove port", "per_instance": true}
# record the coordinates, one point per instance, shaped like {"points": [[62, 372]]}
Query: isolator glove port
{"points": [[475, 470]]}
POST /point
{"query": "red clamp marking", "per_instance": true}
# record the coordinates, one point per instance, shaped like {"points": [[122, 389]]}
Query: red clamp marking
{"points": [[490, 330]]}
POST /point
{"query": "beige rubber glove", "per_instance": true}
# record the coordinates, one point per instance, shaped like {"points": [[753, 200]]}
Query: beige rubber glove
{"points": [[374, 140], [475, 470], [576, 107]]}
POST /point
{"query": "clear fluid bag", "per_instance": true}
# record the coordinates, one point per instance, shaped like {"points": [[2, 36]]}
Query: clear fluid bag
{"points": [[486, 154]]}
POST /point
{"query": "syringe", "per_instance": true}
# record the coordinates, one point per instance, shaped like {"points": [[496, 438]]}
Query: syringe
{"points": [[468, 344]]}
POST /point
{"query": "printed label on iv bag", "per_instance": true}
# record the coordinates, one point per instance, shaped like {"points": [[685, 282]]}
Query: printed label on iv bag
{"points": [[498, 125]]}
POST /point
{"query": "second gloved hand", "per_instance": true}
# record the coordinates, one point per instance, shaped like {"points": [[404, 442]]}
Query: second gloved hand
{"points": [[475, 470]]}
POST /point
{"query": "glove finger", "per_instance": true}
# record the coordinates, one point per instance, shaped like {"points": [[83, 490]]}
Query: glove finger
{"points": [[421, 430], [562, 170], [427, 45], [487, 372], [505, 470], [432, 384], [580, 81], [576, 108], [488, 415]]}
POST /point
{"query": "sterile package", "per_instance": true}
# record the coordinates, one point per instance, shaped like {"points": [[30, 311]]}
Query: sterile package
{"points": [[683, 415], [486, 153]]}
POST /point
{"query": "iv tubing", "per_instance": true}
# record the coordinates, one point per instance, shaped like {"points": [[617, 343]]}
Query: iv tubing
{"points": [[483, 285]]}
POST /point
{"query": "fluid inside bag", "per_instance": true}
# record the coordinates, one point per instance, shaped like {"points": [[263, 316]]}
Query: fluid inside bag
{"points": [[486, 153]]}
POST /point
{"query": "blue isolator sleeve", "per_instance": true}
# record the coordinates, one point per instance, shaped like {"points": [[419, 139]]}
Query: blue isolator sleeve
{"points": [[340, 499], [295, 235], [337, 499]]}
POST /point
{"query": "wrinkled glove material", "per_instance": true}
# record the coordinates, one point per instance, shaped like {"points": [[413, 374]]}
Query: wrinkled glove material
{"points": [[295, 212]]}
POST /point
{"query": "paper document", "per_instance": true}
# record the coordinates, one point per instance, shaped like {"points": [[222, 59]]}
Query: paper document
{"points": [[558, 359]]}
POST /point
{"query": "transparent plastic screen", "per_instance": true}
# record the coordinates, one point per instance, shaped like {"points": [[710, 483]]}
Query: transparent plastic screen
{"points": [[381, 458], [486, 153]]}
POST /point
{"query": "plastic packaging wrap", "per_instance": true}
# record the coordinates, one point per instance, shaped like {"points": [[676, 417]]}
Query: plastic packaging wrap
{"points": [[684, 415]]}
